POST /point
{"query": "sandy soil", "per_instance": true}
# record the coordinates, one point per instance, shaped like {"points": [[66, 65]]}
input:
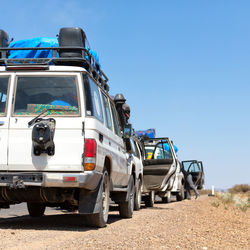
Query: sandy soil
{"points": [[194, 224]]}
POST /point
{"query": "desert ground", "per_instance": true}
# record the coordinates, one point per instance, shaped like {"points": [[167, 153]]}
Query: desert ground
{"points": [[189, 224]]}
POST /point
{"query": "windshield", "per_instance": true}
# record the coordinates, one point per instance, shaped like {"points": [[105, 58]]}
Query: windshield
{"points": [[38, 93], [3, 94]]}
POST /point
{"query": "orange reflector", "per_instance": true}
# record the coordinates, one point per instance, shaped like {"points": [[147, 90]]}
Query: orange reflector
{"points": [[89, 166], [69, 178]]}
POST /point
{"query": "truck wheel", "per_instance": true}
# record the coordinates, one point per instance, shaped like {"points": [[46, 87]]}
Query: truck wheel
{"points": [[36, 209], [166, 199], [138, 195], [180, 196], [150, 199], [126, 208], [100, 219]]}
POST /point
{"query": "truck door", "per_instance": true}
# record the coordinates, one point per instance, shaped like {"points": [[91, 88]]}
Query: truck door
{"points": [[194, 169], [114, 145], [202, 180], [4, 120], [57, 93]]}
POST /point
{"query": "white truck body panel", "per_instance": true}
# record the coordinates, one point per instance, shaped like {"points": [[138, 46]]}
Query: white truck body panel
{"points": [[68, 138]]}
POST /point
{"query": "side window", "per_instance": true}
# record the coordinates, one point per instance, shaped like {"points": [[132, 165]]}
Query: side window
{"points": [[115, 119], [3, 94], [137, 150], [159, 153], [167, 151], [133, 147], [93, 100], [107, 112], [162, 151], [168, 154], [194, 168]]}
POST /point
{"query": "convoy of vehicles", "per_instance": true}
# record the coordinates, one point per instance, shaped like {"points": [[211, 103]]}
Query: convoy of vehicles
{"points": [[62, 143]]}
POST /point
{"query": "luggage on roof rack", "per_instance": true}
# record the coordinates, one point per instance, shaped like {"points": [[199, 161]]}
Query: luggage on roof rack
{"points": [[72, 51], [33, 43], [150, 133], [69, 37], [4, 40]]}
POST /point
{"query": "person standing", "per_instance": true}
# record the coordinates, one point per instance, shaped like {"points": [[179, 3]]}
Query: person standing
{"points": [[189, 184]]}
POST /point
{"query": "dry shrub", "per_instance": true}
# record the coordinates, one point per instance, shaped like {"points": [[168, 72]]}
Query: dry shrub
{"points": [[215, 203], [240, 188], [230, 200], [225, 198], [242, 206]]}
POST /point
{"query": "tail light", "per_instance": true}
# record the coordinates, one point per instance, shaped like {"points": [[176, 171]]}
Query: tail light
{"points": [[89, 154]]}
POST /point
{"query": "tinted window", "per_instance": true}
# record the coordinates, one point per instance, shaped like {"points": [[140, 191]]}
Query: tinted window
{"points": [[93, 100], [107, 112], [37, 93], [115, 119], [3, 94]]}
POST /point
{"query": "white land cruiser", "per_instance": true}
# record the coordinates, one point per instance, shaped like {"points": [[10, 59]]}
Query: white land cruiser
{"points": [[60, 139], [162, 173]]}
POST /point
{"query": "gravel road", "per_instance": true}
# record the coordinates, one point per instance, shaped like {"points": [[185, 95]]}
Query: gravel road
{"points": [[194, 224]]}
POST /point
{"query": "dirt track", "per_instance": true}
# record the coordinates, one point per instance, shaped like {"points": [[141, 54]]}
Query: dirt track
{"points": [[194, 224]]}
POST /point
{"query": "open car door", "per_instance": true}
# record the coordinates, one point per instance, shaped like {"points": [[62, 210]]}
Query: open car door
{"points": [[202, 180], [158, 164], [196, 170]]}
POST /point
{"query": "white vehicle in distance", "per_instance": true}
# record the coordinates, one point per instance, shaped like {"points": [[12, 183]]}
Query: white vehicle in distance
{"points": [[135, 159], [162, 171], [61, 142]]}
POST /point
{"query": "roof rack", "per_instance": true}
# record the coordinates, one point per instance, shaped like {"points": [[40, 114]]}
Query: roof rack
{"points": [[72, 51], [86, 61], [157, 139]]}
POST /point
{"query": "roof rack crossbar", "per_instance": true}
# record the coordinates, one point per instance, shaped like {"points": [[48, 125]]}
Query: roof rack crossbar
{"points": [[87, 60]]}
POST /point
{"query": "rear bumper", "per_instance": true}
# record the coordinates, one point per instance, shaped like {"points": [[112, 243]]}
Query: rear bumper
{"points": [[87, 180]]}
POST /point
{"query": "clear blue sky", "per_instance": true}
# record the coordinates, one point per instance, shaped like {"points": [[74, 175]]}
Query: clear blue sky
{"points": [[184, 67]]}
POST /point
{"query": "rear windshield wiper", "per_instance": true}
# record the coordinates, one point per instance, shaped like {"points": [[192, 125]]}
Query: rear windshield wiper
{"points": [[31, 122]]}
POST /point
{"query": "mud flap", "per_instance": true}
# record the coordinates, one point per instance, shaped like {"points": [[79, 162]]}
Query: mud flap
{"points": [[122, 196], [90, 202]]}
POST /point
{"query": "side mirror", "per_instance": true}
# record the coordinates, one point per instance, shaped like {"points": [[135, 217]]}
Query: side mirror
{"points": [[127, 131], [128, 145]]}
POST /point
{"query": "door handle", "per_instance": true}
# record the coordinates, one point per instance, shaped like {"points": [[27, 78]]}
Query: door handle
{"points": [[2, 123], [100, 137]]}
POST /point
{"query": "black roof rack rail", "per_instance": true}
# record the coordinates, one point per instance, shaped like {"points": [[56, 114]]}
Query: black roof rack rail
{"points": [[157, 139], [87, 61]]}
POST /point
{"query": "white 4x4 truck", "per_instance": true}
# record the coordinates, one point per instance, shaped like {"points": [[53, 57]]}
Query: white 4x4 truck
{"points": [[162, 173], [60, 139]]}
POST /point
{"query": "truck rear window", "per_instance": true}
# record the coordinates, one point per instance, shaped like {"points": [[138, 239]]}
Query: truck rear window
{"points": [[3, 94], [58, 94]]}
